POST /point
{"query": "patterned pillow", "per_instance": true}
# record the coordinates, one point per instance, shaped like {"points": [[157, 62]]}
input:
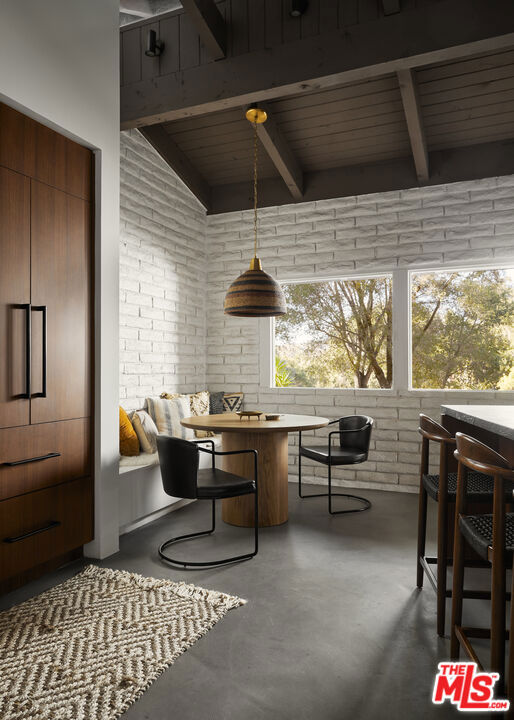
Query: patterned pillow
{"points": [[200, 406], [216, 403], [167, 415], [232, 402], [129, 444], [146, 431]]}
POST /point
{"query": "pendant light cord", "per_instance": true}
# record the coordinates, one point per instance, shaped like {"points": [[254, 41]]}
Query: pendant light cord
{"points": [[255, 159]]}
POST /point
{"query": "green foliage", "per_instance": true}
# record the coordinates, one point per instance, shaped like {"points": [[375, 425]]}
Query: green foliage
{"points": [[283, 377], [460, 324]]}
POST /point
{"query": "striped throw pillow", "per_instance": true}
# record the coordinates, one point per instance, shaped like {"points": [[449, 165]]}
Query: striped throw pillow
{"points": [[167, 415]]}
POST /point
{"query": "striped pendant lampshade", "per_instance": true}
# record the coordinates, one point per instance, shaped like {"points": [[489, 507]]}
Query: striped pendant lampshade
{"points": [[255, 293]]}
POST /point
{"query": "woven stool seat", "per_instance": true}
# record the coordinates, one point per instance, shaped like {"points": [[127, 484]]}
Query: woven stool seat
{"points": [[478, 531], [480, 486]]}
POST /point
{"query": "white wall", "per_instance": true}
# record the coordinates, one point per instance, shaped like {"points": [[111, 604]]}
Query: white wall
{"points": [[59, 63], [163, 278], [438, 226]]}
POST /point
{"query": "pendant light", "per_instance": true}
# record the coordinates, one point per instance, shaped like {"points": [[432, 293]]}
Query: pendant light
{"points": [[255, 293]]}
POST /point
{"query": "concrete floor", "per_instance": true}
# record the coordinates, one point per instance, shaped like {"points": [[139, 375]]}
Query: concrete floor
{"points": [[334, 628]]}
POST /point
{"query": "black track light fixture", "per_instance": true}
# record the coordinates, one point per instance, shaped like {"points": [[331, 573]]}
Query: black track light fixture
{"points": [[298, 7]]}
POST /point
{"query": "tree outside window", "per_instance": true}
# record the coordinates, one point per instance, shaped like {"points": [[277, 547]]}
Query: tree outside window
{"points": [[336, 334], [339, 333], [462, 330]]}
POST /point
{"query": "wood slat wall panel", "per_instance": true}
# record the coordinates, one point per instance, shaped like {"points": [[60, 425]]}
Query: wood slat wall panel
{"points": [[310, 22], [251, 25], [131, 56], [368, 10], [348, 13], [291, 26], [273, 23], [150, 66], [239, 31], [257, 25], [169, 35], [189, 49]]}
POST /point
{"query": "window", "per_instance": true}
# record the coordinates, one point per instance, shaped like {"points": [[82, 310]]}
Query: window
{"points": [[335, 334], [462, 329]]}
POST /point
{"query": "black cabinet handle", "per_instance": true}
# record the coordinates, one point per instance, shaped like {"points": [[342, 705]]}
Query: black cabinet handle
{"points": [[42, 309], [28, 347], [17, 538], [31, 460]]}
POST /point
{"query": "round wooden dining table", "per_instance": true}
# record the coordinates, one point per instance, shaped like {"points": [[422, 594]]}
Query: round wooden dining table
{"points": [[269, 438]]}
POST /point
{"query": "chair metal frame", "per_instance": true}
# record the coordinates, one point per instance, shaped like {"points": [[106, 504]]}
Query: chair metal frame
{"points": [[184, 564], [330, 494]]}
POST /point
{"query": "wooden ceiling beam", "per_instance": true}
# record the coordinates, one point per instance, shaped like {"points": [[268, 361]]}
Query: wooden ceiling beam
{"points": [[137, 8], [281, 155], [433, 32], [454, 165], [391, 6], [210, 25], [413, 117], [173, 155]]}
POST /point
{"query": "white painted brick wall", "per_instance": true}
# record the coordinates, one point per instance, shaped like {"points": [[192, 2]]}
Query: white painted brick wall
{"points": [[163, 278], [419, 228]]}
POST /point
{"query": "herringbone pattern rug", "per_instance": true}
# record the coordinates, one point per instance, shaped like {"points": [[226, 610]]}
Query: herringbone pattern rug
{"points": [[87, 649]]}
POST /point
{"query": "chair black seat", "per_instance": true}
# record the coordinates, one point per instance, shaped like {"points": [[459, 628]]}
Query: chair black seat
{"points": [[339, 455], [480, 486], [478, 531], [213, 484]]}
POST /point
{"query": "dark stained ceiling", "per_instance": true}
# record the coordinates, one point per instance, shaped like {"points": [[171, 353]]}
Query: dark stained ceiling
{"points": [[380, 132]]}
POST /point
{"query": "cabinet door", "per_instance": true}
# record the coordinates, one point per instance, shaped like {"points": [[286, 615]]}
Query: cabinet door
{"points": [[61, 305], [14, 292]]}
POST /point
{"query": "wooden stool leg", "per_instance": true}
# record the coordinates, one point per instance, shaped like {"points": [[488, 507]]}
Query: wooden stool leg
{"points": [[498, 589], [442, 555], [422, 533], [458, 585], [510, 681]]}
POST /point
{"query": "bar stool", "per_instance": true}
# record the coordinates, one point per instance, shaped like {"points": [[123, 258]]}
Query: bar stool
{"points": [[492, 537], [442, 488]]}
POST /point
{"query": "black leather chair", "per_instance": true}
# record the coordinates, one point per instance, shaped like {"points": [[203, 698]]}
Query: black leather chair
{"points": [[182, 478], [354, 439]]}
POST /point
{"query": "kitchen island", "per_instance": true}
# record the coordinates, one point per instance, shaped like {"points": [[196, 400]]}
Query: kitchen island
{"points": [[491, 424]]}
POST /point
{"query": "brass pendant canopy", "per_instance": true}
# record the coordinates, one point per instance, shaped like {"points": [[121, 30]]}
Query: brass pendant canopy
{"points": [[255, 293]]}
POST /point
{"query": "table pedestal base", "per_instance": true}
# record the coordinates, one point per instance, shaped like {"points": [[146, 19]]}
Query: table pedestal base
{"points": [[273, 453]]}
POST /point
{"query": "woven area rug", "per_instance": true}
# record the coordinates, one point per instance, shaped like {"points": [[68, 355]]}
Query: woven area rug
{"points": [[87, 649]]}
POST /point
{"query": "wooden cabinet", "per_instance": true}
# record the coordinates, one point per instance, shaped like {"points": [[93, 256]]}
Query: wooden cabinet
{"points": [[60, 292], [44, 525], [46, 348], [14, 297]]}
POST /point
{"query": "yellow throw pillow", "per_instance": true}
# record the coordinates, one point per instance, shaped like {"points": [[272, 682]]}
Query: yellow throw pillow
{"points": [[129, 443]]}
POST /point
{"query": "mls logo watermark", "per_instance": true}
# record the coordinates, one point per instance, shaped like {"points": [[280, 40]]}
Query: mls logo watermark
{"points": [[467, 688]]}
